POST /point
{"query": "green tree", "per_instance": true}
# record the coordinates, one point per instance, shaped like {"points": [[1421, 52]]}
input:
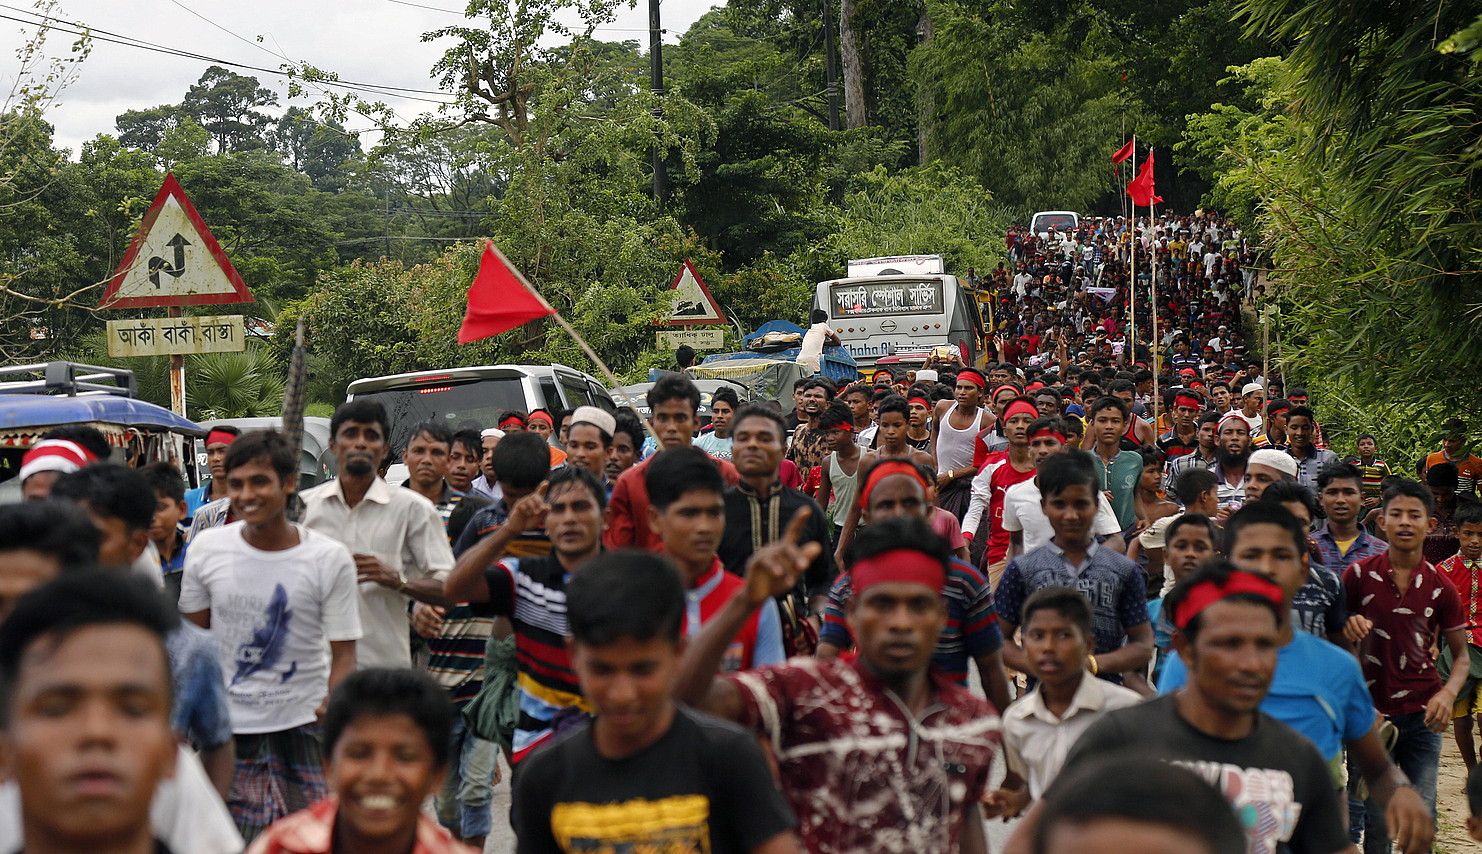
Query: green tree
{"points": [[320, 150], [229, 105], [146, 128]]}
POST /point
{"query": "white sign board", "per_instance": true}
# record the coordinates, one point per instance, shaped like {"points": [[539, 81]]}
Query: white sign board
{"points": [[897, 265], [169, 336], [700, 339]]}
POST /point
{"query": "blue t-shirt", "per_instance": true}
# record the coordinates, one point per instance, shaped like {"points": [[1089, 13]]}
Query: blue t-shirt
{"points": [[1318, 690], [1162, 636]]}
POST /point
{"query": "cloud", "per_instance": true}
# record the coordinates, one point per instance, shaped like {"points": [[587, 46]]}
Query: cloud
{"points": [[376, 41]]}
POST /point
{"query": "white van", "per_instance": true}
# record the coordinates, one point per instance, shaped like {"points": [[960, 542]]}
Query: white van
{"points": [[1063, 221]]}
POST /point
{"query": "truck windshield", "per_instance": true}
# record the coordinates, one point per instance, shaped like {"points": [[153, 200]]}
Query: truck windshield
{"points": [[460, 405]]}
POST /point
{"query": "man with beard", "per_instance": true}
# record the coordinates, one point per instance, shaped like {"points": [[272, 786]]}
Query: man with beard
{"points": [[809, 445], [954, 429], [1205, 454], [395, 535], [1233, 437]]}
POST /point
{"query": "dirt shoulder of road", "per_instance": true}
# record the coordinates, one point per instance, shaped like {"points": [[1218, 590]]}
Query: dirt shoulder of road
{"points": [[1451, 802]]}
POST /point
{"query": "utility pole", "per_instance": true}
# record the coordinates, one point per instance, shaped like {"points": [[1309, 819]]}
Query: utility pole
{"points": [[830, 73], [656, 70]]}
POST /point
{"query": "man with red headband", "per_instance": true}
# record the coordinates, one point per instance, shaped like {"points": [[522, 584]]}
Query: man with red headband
{"points": [[984, 520], [1228, 633], [990, 442], [954, 428], [878, 754], [1183, 438], [218, 439]]}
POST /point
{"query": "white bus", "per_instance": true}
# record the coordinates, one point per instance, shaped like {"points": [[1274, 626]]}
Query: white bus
{"points": [[903, 304]]}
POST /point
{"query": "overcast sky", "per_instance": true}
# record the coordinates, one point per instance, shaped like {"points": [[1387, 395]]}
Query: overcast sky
{"points": [[373, 41]]}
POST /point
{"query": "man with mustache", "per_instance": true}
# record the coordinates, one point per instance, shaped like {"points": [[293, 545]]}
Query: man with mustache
{"points": [[1232, 438], [395, 535]]}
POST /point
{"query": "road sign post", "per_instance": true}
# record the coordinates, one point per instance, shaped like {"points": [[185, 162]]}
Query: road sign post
{"points": [[172, 262]]}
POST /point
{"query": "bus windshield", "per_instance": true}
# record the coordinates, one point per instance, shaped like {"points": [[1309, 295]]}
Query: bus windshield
{"points": [[460, 405]]}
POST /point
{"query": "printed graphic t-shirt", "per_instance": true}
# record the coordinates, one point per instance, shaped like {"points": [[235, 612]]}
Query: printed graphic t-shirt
{"points": [[273, 615], [703, 786]]}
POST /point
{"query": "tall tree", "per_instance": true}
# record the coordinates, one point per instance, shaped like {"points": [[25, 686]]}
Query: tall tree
{"points": [[852, 58], [229, 106], [145, 129]]}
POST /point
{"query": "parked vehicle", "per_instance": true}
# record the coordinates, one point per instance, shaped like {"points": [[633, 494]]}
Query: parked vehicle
{"points": [[316, 463], [638, 396], [474, 397], [1063, 221]]}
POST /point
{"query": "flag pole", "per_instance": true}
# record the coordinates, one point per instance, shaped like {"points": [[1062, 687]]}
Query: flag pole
{"points": [[1132, 277], [581, 342], [1154, 349]]}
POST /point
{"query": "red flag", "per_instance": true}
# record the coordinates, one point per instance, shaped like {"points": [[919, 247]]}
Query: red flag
{"points": [[1125, 152], [1141, 187], [499, 299]]}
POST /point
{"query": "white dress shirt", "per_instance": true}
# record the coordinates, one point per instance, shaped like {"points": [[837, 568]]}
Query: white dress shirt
{"points": [[1036, 742]]}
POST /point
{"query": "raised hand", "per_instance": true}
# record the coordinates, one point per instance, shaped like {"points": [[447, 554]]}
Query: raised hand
{"points": [[530, 511]]}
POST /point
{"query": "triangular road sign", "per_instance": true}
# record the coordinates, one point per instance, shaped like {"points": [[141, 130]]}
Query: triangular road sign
{"points": [[174, 260], [693, 304]]}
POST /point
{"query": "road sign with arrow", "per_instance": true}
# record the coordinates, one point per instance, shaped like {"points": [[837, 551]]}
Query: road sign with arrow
{"points": [[174, 260]]}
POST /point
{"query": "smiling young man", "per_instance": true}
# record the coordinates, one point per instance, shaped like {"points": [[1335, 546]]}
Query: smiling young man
{"points": [[396, 536], [386, 747], [1301, 434], [851, 738], [717, 441], [1317, 688], [530, 589], [675, 403], [281, 603], [1340, 539], [687, 509], [645, 774], [85, 732], [1228, 634], [984, 520], [1399, 601], [589, 441]]}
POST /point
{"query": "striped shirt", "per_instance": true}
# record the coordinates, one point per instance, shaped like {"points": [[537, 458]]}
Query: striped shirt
{"points": [[531, 591], [1115, 586], [971, 629], [1373, 473]]}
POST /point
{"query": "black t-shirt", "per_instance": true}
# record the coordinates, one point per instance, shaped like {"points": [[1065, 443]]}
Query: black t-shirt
{"points": [[1277, 782], [703, 786]]}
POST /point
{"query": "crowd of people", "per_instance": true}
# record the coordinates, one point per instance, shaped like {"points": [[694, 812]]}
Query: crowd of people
{"points": [[1183, 617]]}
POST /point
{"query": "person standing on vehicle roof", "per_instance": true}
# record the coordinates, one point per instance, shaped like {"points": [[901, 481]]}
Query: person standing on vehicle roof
{"points": [[818, 336]]}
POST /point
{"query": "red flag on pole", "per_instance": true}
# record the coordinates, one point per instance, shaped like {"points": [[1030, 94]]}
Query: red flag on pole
{"points": [[1141, 187], [1125, 152], [499, 299]]}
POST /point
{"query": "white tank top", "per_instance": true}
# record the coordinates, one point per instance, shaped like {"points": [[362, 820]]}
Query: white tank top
{"points": [[955, 447]]}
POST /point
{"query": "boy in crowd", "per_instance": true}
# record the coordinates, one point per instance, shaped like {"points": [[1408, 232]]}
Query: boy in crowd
{"points": [[164, 530], [1341, 540], [386, 747], [983, 524], [847, 736], [1023, 515], [218, 439], [645, 773], [717, 442], [1041, 726], [1196, 491], [839, 484], [1317, 688], [280, 601], [589, 440], [85, 729], [1464, 571], [1115, 586], [675, 403], [1118, 468], [1192, 539], [1398, 602], [687, 509], [530, 589]]}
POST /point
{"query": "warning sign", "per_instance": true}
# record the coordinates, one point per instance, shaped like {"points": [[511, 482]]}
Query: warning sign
{"points": [[693, 304], [174, 260]]}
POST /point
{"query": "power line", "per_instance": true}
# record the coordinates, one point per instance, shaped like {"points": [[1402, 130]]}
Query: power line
{"points": [[79, 28], [463, 15]]}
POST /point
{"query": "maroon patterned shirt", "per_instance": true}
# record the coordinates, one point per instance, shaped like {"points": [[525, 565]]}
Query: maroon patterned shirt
{"points": [[858, 771], [1396, 655]]}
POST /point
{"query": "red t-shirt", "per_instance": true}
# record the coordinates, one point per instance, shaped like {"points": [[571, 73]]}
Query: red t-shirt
{"points": [[1396, 655], [627, 509], [719, 587], [1467, 581], [999, 482]]}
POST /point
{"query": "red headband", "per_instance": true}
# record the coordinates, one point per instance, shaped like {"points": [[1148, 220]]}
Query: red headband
{"points": [[1229, 416], [915, 397], [1206, 593], [973, 377], [888, 468], [215, 436], [511, 419], [1187, 400], [1020, 407], [1047, 431], [900, 566], [1009, 386], [541, 415]]}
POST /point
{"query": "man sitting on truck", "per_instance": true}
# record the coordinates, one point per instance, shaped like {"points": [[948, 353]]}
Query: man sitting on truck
{"points": [[819, 335]]}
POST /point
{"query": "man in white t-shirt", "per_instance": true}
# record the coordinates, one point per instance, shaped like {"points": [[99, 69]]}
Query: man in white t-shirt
{"points": [[395, 536], [279, 599], [819, 335]]}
